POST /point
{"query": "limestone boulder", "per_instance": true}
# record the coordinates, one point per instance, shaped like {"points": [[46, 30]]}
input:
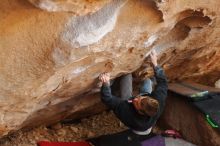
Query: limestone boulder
{"points": [[51, 52], [76, 7], [217, 84]]}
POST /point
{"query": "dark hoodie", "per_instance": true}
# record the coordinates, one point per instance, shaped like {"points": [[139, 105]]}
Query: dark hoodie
{"points": [[127, 113]]}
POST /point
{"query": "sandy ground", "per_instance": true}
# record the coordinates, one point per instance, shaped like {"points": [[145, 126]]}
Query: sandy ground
{"points": [[104, 123], [101, 124]]}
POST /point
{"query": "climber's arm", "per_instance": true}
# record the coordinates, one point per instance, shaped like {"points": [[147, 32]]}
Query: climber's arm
{"points": [[106, 94]]}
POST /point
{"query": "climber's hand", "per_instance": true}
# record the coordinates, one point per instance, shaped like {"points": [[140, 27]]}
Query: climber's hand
{"points": [[104, 78], [153, 56]]}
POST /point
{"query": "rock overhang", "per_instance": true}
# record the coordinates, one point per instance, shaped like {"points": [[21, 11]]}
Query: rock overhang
{"points": [[56, 56]]}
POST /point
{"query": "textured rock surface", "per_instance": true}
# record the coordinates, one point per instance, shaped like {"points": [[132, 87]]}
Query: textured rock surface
{"points": [[77, 7], [191, 123], [217, 84], [101, 124], [49, 61]]}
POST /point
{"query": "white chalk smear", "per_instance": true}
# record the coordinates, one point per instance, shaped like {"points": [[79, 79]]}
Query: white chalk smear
{"points": [[79, 70], [150, 41]]}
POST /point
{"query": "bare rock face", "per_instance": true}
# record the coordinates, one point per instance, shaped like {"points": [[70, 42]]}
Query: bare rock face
{"points": [[217, 84], [77, 7], [50, 61]]}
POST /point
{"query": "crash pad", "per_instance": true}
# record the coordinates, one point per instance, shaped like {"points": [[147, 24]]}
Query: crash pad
{"points": [[154, 141], [211, 109], [165, 141], [124, 138], [205, 98], [177, 142], [45, 143]]}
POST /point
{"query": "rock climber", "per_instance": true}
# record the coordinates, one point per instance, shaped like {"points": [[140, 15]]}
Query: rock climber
{"points": [[139, 113]]}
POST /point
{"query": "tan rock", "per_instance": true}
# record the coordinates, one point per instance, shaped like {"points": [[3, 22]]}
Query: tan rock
{"points": [[74, 129], [56, 126], [50, 61], [61, 132], [217, 84], [90, 134], [77, 7]]}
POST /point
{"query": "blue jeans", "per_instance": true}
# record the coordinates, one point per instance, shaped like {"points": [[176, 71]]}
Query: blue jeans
{"points": [[126, 88], [146, 86]]}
